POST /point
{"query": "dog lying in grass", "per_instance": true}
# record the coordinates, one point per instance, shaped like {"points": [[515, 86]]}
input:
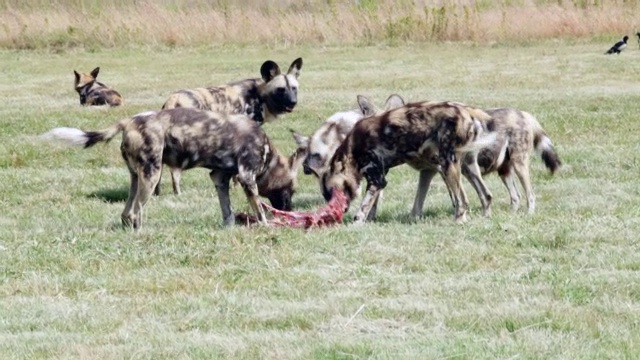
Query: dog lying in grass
{"points": [[93, 92], [185, 138], [431, 137]]}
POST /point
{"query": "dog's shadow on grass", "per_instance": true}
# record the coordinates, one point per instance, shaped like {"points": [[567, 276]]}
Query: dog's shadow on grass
{"points": [[110, 195]]}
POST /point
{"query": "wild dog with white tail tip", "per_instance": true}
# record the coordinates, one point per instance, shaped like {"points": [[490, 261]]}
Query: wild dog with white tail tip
{"points": [[262, 99], [93, 92], [431, 137], [518, 134], [226, 144]]}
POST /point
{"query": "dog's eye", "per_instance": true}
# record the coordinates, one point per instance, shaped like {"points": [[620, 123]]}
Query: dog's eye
{"points": [[281, 90]]}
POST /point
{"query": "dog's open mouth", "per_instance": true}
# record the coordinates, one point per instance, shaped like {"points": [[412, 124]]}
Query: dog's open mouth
{"points": [[288, 109], [328, 215]]}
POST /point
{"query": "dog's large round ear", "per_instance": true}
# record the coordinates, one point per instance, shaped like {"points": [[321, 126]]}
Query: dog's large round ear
{"points": [[269, 70], [394, 101], [95, 72], [366, 106], [77, 76], [301, 140], [295, 67]]}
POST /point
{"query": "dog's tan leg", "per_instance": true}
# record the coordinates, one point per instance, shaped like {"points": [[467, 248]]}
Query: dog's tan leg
{"points": [[221, 181], [374, 208], [509, 182], [251, 190], [454, 182], [368, 201], [146, 184], [175, 177], [126, 216], [423, 187], [522, 170], [471, 171], [156, 191]]}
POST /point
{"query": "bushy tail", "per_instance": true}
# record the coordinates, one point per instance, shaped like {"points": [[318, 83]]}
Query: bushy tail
{"points": [[73, 136], [543, 145]]}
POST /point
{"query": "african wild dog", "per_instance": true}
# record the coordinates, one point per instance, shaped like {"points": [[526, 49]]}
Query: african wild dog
{"points": [[263, 100], [93, 92], [518, 133], [431, 137], [322, 144], [227, 144], [325, 140]]}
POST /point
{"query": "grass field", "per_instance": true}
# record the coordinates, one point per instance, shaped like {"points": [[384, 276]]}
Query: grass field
{"points": [[561, 284]]}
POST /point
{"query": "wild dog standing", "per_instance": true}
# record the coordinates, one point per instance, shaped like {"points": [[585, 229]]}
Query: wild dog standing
{"points": [[93, 92], [518, 133], [431, 137], [227, 144], [263, 100]]}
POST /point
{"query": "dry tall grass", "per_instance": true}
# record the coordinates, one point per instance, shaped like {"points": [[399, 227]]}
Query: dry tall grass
{"points": [[113, 23]]}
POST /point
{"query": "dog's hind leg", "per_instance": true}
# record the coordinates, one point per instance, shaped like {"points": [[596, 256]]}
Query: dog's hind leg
{"points": [[471, 171], [221, 181], [148, 177], [454, 183], [423, 187], [133, 193], [522, 170], [156, 191]]}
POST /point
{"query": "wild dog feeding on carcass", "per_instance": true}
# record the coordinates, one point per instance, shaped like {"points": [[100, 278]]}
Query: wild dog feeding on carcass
{"points": [[262, 99], [518, 133], [93, 92], [431, 137], [226, 144]]}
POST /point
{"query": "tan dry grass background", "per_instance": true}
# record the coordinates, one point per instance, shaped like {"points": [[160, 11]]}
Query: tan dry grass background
{"points": [[61, 24]]}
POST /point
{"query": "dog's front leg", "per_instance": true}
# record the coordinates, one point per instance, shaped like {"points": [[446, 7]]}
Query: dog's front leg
{"points": [[247, 179], [221, 181], [368, 201]]}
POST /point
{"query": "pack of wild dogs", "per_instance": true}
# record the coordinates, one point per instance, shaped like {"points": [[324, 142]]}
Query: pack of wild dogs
{"points": [[220, 128]]}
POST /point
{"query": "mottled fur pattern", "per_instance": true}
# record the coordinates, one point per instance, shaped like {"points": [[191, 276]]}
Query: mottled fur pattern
{"points": [[226, 144], [263, 99], [93, 92], [431, 137], [518, 133], [322, 144]]}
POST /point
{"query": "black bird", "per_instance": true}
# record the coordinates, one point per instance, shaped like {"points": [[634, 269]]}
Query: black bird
{"points": [[619, 46]]}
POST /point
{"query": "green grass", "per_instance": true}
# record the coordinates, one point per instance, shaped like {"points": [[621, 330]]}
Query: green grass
{"points": [[561, 284]]}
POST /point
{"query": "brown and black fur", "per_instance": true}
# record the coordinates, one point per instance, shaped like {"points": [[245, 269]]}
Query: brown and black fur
{"points": [[93, 92], [431, 137], [261, 99], [227, 144], [518, 134]]}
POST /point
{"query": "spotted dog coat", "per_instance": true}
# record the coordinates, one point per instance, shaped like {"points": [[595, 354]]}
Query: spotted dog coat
{"points": [[518, 133], [431, 137], [227, 144], [322, 144], [263, 99], [93, 92]]}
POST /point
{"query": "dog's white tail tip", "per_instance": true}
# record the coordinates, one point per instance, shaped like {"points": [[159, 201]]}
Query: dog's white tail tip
{"points": [[71, 136]]}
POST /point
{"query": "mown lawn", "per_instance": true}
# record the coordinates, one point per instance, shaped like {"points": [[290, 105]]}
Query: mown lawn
{"points": [[561, 284]]}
